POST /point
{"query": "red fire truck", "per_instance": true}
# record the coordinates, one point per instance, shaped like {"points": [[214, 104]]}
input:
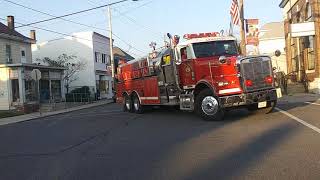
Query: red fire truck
{"points": [[204, 74]]}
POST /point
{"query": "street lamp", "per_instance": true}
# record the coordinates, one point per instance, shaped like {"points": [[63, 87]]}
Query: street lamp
{"points": [[111, 40]]}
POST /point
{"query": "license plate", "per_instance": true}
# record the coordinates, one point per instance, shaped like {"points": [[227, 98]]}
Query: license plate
{"points": [[279, 93], [262, 104]]}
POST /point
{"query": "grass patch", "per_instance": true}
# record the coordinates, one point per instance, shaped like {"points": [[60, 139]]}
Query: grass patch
{"points": [[5, 114]]}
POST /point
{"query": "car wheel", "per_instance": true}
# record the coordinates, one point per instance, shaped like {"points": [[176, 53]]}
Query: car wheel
{"points": [[127, 104], [208, 107], [137, 107]]}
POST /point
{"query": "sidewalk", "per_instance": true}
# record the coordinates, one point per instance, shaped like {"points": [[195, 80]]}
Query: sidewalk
{"points": [[299, 98], [37, 115]]}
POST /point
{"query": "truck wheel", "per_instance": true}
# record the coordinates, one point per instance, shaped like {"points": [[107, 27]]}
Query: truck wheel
{"points": [[127, 104], [270, 107], [137, 107], [207, 106]]}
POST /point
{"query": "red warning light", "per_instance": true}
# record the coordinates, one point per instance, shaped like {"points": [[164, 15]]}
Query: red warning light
{"points": [[201, 35]]}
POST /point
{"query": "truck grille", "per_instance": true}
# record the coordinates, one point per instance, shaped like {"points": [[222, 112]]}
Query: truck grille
{"points": [[256, 69]]}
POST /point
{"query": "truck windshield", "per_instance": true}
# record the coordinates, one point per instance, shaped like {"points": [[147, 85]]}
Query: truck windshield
{"points": [[215, 48]]}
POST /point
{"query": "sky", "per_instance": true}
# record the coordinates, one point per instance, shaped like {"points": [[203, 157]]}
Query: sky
{"points": [[136, 23]]}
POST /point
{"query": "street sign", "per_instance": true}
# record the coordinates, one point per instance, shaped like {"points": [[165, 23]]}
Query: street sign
{"points": [[36, 74]]}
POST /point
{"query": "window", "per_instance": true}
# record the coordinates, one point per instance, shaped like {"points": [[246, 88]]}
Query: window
{"points": [[108, 60], [23, 55], [8, 54], [15, 90], [183, 53], [103, 58], [30, 91], [98, 57], [215, 48], [298, 16], [310, 55], [308, 12], [56, 89]]}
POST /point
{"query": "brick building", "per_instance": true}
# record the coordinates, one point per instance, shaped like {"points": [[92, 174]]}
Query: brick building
{"points": [[302, 33]]}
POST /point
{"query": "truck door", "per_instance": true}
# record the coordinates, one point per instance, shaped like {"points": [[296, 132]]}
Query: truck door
{"points": [[186, 68]]}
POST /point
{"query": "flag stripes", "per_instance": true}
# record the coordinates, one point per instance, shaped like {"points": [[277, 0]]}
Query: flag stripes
{"points": [[235, 15]]}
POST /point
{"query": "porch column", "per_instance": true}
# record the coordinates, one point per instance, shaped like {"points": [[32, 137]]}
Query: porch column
{"points": [[22, 92], [50, 90], [63, 89]]}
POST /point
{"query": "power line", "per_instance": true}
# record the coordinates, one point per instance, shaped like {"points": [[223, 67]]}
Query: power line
{"points": [[141, 26], [42, 12], [68, 35], [45, 13], [133, 9], [71, 14]]}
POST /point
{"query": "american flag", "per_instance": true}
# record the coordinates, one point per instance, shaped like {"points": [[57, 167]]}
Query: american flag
{"points": [[235, 15]]}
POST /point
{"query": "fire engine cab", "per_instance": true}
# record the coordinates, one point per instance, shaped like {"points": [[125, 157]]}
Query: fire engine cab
{"points": [[204, 74]]}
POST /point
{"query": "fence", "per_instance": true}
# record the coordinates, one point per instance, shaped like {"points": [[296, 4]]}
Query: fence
{"points": [[81, 94]]}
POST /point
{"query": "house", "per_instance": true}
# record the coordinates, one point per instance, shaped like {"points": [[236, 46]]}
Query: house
{"points": [[302, 34], [271, 39], [17, 88], [93, 50], [120, 55]]}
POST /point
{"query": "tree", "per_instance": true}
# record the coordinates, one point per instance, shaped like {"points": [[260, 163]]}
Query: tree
{"points": [[71, 63]]}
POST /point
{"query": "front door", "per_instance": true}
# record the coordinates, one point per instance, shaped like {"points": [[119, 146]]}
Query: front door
{"points": [[44, 90]]}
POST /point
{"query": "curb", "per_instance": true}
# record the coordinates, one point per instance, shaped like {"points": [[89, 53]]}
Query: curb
{"points": [[34, 116]]}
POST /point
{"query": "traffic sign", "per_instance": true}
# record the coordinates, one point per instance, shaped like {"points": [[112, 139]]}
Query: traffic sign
{"points": [[36, 74]]}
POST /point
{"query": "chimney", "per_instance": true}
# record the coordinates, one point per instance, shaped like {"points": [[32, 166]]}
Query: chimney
{"points": [[33, 35], [10, 20]]}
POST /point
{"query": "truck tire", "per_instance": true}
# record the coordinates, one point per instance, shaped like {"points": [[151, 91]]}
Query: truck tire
{"points": [[270, 107], [137, 107], [127, 104], [208, 107]]}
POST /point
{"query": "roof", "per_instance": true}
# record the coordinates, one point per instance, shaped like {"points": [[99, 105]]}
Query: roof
{"points": [[32, 65], [283, 3], [119, 52], [273, 30], [200, 40], [103, 36], [5, 30]]}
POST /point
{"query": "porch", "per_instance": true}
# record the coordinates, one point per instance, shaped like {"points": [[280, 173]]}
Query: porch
{"points": [[21, 91]]}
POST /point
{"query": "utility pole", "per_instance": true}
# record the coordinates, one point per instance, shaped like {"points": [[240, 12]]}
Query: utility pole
{"points": [[242, 29], [111, 44]]}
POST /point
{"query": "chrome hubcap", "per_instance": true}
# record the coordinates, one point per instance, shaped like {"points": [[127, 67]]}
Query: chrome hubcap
{"points": [[210, 105]]}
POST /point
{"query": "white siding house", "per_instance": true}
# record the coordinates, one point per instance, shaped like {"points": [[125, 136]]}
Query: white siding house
{"points": [[271, 39], [17, 88], [92, 49]]}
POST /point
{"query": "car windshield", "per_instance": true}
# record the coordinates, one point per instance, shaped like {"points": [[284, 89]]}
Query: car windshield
{"points": [[215, 48]]}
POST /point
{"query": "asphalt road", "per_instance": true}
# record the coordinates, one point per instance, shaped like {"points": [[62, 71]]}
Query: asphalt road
{"points": [[105, 143]]}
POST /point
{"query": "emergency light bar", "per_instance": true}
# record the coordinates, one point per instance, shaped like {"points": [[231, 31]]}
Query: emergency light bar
{"points": [[201, 35]]}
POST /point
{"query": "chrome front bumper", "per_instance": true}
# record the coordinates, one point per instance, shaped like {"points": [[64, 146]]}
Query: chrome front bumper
{"points": [[248, 98]]}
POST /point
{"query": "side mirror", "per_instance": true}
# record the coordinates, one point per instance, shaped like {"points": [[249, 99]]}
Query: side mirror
{"points": [[277, 53], [169, 35]]}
